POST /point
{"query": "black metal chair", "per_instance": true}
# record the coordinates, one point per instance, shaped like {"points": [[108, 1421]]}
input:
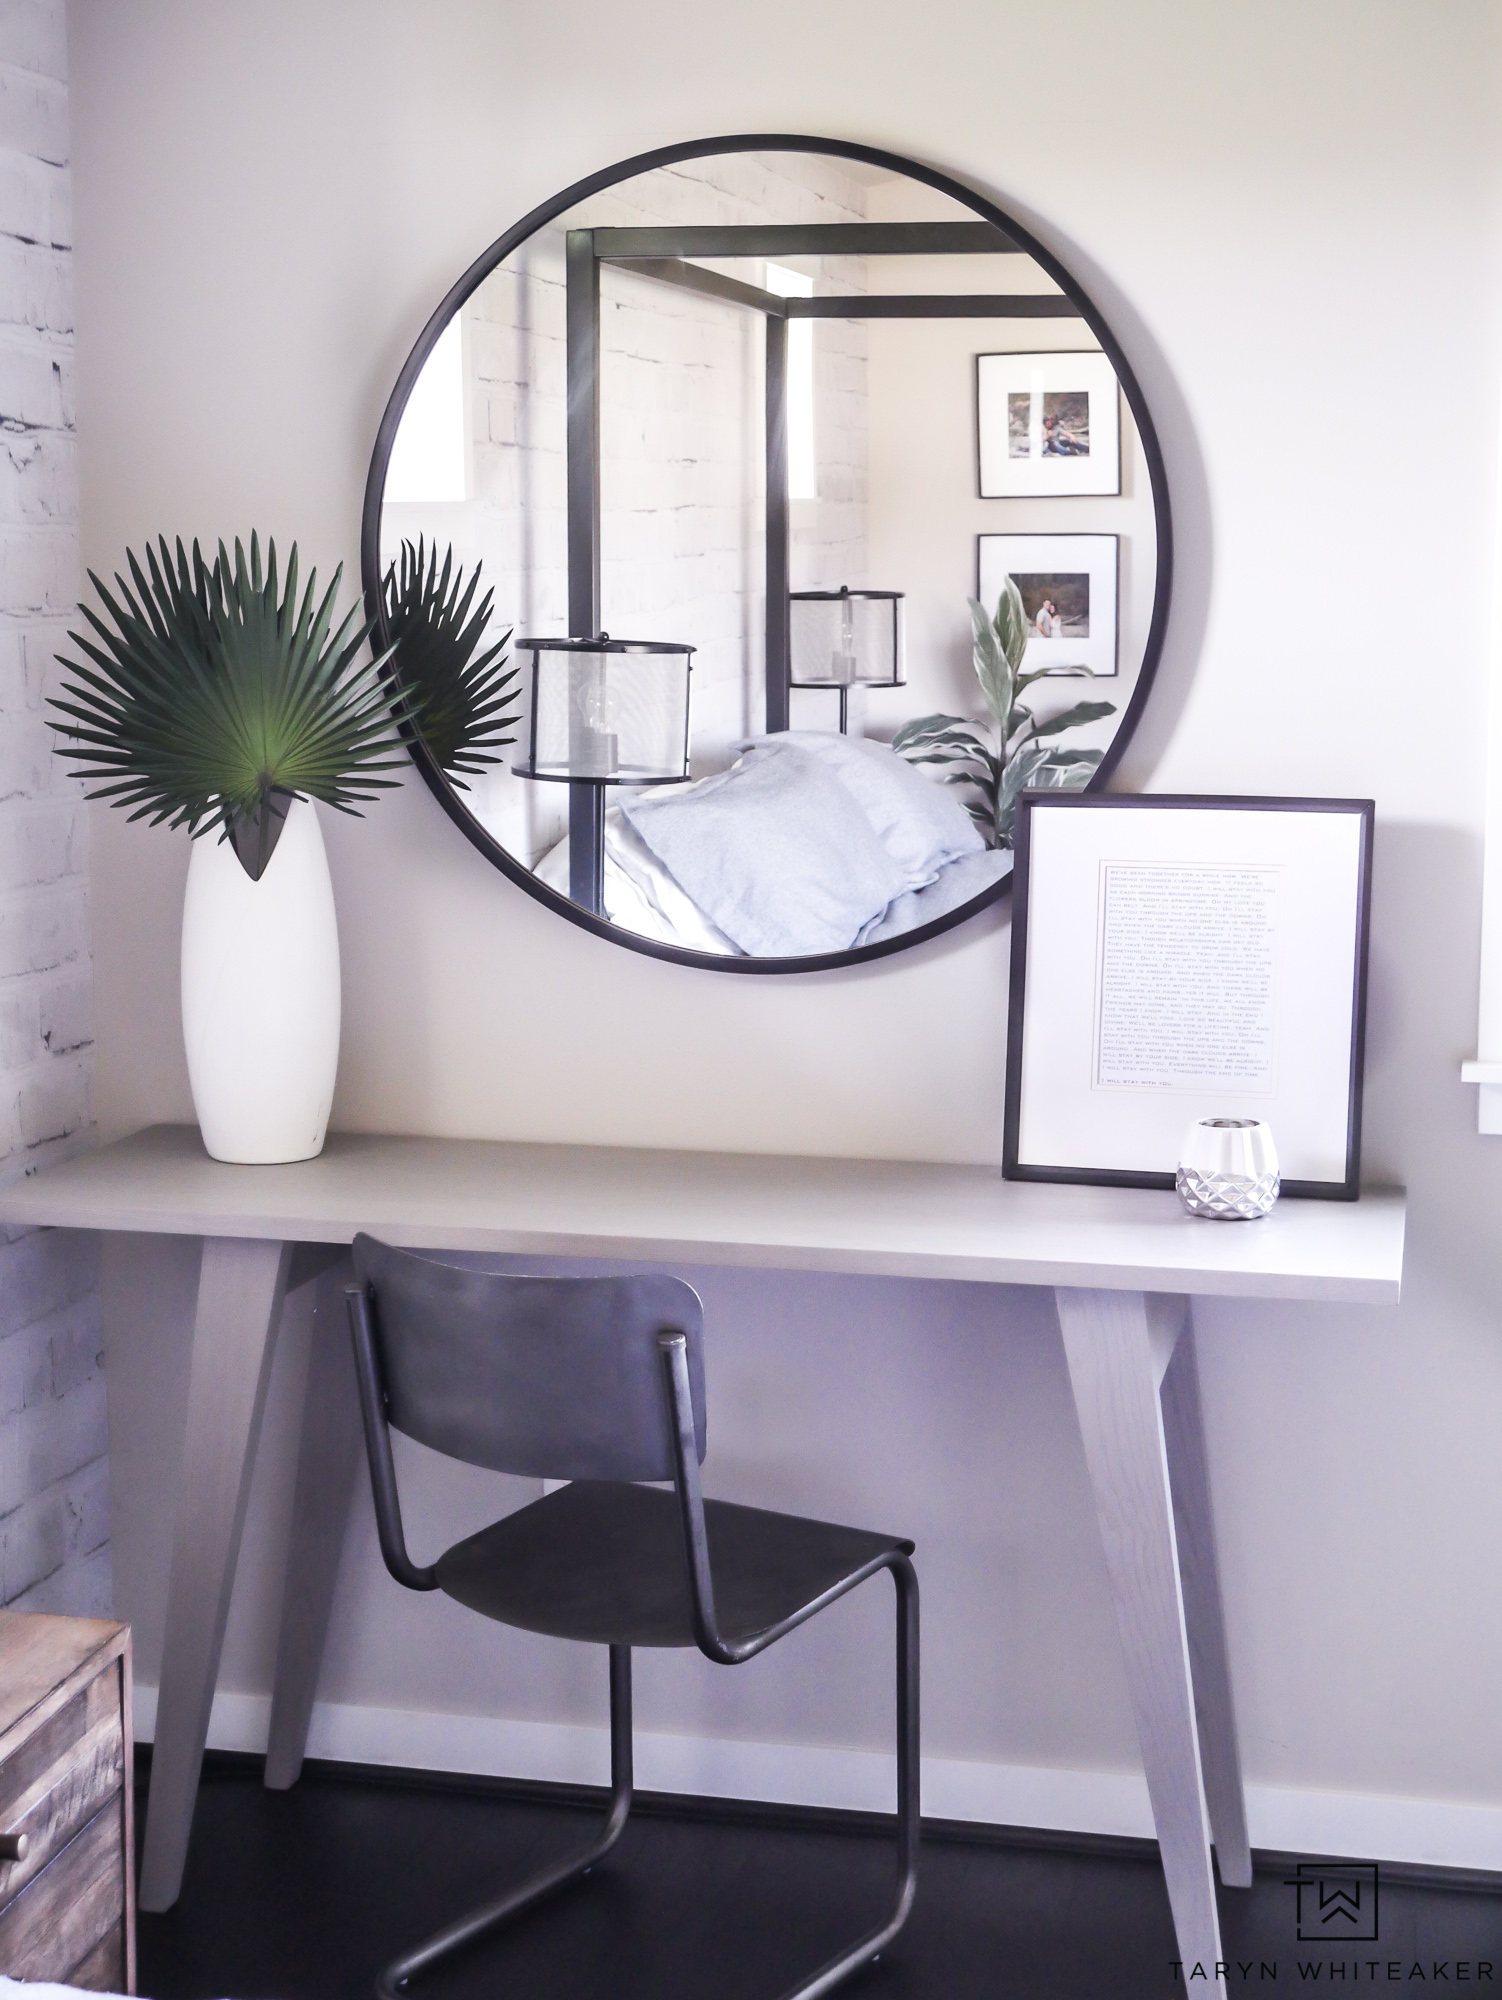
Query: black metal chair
{"points": [[600, 1381]]}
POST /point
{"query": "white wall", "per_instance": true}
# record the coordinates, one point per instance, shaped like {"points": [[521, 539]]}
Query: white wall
{"points": [[54, 1498], [1291, 215]]}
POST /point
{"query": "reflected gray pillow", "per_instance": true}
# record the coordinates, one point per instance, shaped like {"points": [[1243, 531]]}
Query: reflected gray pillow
{"points": [[953, 885], [920, 823], [775, 851]]}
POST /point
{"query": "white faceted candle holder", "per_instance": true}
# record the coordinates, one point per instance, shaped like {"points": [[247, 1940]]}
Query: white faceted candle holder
{"points": [[1228, 1169]]}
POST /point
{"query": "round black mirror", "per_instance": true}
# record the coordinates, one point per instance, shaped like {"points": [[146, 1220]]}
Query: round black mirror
{"points": [[753, 522]]}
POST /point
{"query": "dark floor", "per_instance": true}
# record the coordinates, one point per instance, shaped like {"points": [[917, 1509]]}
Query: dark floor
{"points": [[302, 1895]]}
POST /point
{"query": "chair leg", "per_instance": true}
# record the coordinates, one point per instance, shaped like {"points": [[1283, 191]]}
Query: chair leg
{"points": [[466, 1930], [865, 1949]]}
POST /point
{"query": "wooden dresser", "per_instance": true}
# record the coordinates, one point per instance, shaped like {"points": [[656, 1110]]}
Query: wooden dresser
{"points": [[67, 1865]]}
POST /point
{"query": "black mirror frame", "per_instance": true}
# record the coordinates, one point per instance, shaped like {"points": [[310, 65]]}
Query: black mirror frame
{"points": [[548, 211]]}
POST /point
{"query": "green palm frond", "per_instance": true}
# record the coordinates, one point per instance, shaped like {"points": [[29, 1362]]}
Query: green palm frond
{"points": [[461, 699], [213, 700]]}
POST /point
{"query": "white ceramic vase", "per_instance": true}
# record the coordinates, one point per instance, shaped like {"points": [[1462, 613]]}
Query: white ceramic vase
{"points": [[260, 994]]}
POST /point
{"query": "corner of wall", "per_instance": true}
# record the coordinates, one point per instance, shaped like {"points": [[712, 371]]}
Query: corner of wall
{"points": [[54, 1508]]}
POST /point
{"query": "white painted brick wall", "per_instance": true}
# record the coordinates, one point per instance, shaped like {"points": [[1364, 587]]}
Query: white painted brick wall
{"points": [[54, 1488]]}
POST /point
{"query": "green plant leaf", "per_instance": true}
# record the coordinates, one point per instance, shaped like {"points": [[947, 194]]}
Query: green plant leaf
{"points": [[1011, 625], [1018, 774], [1071, 718], [1065, 771], [214, 699], [963, 737], [1054, 674], [924, 726], [963, 754], [461, 698], [992, 668]]}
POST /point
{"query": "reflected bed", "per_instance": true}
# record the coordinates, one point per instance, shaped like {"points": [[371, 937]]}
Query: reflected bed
{"points": [[808, 844]]}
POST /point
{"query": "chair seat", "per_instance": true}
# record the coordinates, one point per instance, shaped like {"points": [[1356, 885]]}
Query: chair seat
{"points": [[604, 1561]]}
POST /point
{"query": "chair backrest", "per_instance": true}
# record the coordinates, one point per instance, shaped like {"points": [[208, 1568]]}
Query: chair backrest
{"points": [[557, 1378]]}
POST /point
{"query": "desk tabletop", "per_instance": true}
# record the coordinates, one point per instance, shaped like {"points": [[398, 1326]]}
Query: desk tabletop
{"points": [[888, 1218]]}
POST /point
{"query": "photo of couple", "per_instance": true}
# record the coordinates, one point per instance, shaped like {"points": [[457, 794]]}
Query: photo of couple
{"points": [[1065, 424], [1057, 604]]}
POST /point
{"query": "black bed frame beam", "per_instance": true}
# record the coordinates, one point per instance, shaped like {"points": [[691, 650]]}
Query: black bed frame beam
{"points": [[934, 305], [586, 802], [854, 305], [779, 542], [695, 278], [582, 316], [810, 239]]}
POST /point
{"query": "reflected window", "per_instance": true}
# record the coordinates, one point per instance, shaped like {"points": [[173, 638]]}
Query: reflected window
{"points": [[428, 458], [803, 475]]}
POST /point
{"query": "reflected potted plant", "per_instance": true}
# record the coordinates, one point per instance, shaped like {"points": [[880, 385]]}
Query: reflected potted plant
{"points": [[213, 699], [997, 763]]}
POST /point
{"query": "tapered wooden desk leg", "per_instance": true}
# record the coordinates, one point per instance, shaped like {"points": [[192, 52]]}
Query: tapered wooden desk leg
{"points": [[240, 1290], [327, 1466], [1199, 1572], [1117, 1344]]}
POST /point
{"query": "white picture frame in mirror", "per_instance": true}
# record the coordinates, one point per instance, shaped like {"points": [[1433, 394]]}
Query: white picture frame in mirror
{"points": [[1070, 587], [1047, 424]]}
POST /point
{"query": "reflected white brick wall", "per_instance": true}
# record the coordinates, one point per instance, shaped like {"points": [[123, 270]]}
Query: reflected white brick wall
{"points": [[54, 1500]]}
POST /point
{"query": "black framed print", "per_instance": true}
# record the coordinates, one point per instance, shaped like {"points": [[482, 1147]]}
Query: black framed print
{"points": [[1182, 957], [1069, 589], [1047, 424]]}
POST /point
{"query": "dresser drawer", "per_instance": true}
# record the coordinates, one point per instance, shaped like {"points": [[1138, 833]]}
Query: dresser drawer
{"points": [[66, 1903], [67, 1911], [59, 1779]]}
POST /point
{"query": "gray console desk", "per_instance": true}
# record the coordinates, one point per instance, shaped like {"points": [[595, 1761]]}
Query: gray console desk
{"points": [[1123, 1265]]}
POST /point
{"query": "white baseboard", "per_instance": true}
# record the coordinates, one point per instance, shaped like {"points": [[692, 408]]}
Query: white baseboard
{"points": [[1432, 1831]]}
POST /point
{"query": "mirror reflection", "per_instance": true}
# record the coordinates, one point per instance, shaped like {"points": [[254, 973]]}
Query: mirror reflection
{"points": [[751, 535]]}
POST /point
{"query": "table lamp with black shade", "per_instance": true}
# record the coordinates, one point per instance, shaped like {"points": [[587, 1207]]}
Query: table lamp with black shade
{"points": [[604, 712]]}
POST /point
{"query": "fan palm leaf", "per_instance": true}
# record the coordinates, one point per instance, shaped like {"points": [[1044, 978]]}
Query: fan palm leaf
{"points": [[461, 698], [212, 697]]}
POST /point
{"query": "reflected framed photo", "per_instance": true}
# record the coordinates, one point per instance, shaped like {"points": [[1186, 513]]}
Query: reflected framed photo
{"points": [[1177, 958], [1069, 586], [1047, 424]]}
